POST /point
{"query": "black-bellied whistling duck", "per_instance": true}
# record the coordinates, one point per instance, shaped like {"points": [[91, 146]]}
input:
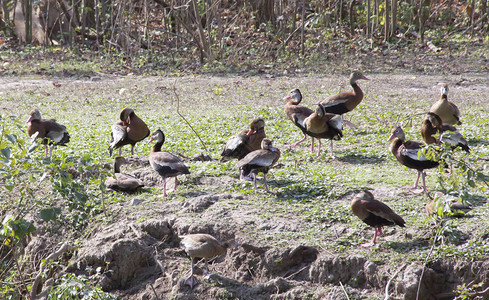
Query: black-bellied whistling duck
{"points": [[345, 102], [260, 161], [122, 182], [448, 134], [297, 114], [165, 163], [374, 213], [446, 110], [245, 141], [407, 153], [201, 245], [49, 131], [129, 130], [322, 125]]}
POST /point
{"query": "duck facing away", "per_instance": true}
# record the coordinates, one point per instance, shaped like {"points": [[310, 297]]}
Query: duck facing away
{"points": [[297, 114], [323, 125], [446, 110], [165, 164], [347, 101], [246, 141], [122, 182], [448, 134], [407, 153], [204, 246], [374, 213], [129, 130], [260, 161], [49, 131]]}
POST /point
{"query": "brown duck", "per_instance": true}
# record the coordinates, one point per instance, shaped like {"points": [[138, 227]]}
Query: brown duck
{"points": [[323, 125], [374, 213], [260, 161], [201, 245], [122, 182], [297, 114], [130, 129], [407, 153], [446, 110], [246, 141], [166, 164], [448, 134], [347, 101], [49, 131]]}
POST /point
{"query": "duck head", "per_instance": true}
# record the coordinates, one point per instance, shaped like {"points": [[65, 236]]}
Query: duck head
{"points": [[35, 115], [255, 125], [157, 136], [125, 115], [357, 75], [294, 94], [397, 132]]}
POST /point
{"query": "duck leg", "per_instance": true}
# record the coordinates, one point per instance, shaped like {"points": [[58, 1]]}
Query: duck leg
{"points": [[297, 143], [120, 151], [254, 182], [132, 149], [415, 188], [373, 240], [312, 145], [176, 184], [191, 281], [164, 188], [246, 178], [319, 150], [331, 149], [266, 184], [45, 150]]}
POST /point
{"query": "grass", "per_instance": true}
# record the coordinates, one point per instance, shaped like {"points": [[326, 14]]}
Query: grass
{"points": [[311, 201]]}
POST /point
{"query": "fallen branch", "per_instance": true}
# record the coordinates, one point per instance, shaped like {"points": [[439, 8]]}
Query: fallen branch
{"points": [[387, 297], [188, 123], [344, 291], [52, 256]]}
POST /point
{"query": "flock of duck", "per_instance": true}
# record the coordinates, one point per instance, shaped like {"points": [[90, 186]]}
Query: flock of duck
{"points": [[256, 154]]}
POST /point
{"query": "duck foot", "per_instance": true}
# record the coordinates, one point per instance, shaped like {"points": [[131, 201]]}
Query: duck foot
{"points": [[247, 178], [208, 275], [367, 245], [191, 281]]}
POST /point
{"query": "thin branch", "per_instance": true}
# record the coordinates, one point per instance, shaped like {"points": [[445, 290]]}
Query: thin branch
{"points": [[188, 123], [387, 297], [344, 291]]}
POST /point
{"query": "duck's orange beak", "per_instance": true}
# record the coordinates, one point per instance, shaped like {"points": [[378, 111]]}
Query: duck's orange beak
{"points": [[150, 140], [364, 77], [250, 132], [30, 119], [288, 97], [393, 136]]}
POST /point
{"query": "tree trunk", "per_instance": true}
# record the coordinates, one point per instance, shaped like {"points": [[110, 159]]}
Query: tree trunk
{"points": [[394, 18], [375, 22], [387, 21], [352, 18], [28, 20], [369, 15]]}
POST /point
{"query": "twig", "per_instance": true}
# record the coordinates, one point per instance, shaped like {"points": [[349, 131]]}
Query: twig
{"points": [[344, 291], [188, 123], [154, 291], [387, 297], [295, 273], [424, 266], [52, 256]]}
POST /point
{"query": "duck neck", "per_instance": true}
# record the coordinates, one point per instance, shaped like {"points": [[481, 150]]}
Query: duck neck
{"points": [[117, 167], [157, 147], [396, 143], [357, 90], [444, 97]]}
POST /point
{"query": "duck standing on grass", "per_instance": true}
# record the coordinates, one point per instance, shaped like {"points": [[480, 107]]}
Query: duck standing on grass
{"points": [[49, 131], [407, 153], [129, 130], [345, 102], [374, 213], [260, 161], [165, 164]]}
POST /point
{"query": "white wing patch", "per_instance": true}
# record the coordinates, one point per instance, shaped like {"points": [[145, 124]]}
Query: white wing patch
{"points": [[413, 154], [118, 134]]}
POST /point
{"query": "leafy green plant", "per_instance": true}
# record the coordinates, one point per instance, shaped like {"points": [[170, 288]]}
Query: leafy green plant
{"points": [[71, 286]]}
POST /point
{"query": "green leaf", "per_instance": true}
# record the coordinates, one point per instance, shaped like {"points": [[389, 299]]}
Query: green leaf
{"points": [[11, 137], [6, 152], [49, 214]]}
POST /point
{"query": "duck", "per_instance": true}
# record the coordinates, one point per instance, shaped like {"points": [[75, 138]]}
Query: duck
{"points": [[259, 161], [297, 114], [130, 129], [446, 110], [246, 141], [202, 245], [374, 213], [448, 134], [407, 153], [49, 131], [323, 125], [449, 206], [165, 164], [122, 182], [346, 101]]}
